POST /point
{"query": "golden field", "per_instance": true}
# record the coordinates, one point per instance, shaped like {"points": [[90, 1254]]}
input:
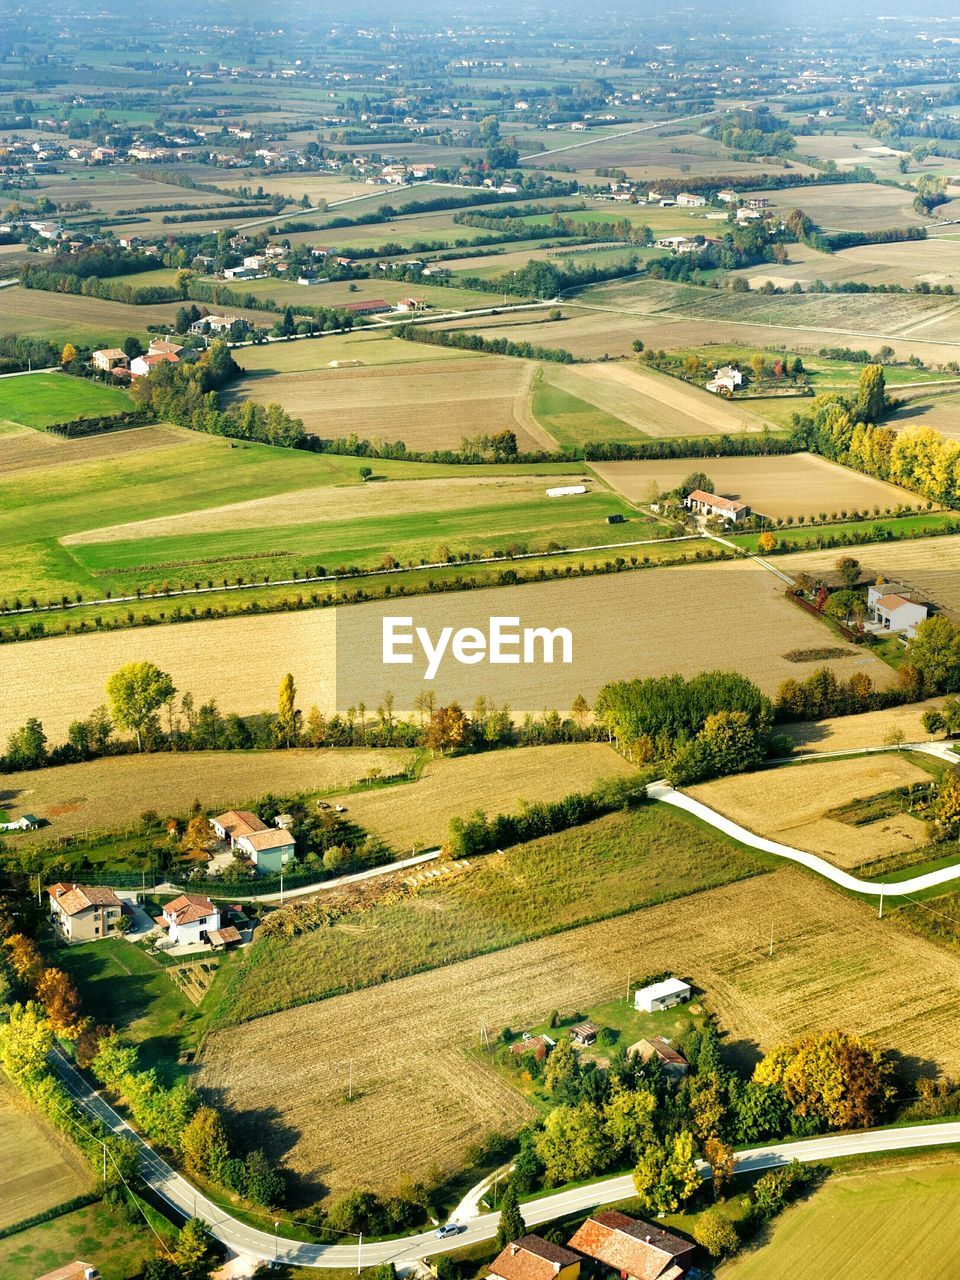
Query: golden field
{"points": [[791, 804], [796, 484], [41, 1169], [110, 794], [930, 565], [336, 657], [834, 964]]}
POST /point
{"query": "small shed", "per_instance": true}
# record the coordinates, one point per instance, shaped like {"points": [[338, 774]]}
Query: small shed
{"points": [[229, 936], [584, 1033], [662, 995]]}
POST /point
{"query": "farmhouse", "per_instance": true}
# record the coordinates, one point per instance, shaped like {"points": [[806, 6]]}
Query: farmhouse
{"points": [[727, 196], [537, 1045], [233, 824], [142, 365], [675, 1065], [687, 200], [369, 307], [268, 850], [662, 995], [637, 1249], [893, 608], [709, 504], [189, 919], [533, 1258], [83, 913], [163, 347], [725, 380], [678, 244], [758, 202], [109, 358], [214, 324]]}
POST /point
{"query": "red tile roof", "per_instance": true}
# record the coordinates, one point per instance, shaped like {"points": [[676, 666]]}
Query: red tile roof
{"points": [[188, 908], [239, 822], [632, 1246], [74, 898], [532, 1258]]}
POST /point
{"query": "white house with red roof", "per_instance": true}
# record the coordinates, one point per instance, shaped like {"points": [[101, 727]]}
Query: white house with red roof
{"points": [[894, 608], [188, 919]]}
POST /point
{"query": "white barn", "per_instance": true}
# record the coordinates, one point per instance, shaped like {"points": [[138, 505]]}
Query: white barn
{"points": [[662, 995]]}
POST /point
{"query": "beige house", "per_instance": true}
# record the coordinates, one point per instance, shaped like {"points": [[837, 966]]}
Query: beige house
{"points": [[83, 913], [533, 1258], [675, 1065], [110, 358]]}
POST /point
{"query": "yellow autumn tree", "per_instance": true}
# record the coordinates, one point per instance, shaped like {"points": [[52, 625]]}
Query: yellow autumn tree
{"points": [[69, 354], [839, 1079]]}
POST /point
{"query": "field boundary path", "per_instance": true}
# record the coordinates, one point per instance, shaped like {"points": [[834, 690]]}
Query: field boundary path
{"points": [[667, 794], [251, 1242], [612, 137]]}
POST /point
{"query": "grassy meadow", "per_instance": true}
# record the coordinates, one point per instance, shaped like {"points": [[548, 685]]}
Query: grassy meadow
{"points": [[41, 399], [616, 864]]}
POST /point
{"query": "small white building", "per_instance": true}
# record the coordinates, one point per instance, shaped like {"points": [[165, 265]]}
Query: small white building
{"points": [[687, 200], [189, 919], [891, 608], [566, 490], [662, 995]]}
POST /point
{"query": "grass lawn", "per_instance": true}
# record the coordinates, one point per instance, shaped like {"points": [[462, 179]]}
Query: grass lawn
{"points": [[96, 1235], [44, 398], [878, 1223], [572, 421], [41, 505], [615, 864], [133, 992]]}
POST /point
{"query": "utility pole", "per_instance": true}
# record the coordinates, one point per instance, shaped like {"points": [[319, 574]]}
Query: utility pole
{"points": [[880, 913], [281, 884], [359, 1252], [104, 1145], [628, 988], [276, 1241], [771, 939], [350, 1082]]}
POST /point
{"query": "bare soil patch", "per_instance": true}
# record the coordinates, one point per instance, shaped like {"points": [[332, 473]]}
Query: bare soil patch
{"points": [[427, 404], [796, 484], [791, 805]]}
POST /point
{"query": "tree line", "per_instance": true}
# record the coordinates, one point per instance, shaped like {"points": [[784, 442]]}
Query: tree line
{"points": [[463, 340]]}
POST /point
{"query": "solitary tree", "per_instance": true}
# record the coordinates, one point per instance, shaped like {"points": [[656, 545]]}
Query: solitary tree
{"points": [[511, 1225], [871, 394], [68, 355], [288, 717], [136, 693]]}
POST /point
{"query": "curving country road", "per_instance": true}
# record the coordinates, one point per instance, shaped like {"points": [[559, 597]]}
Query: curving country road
{"points": [[666, 794], [268, 1245]]}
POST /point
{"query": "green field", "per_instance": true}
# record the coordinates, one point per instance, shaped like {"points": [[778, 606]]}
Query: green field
{"points": [[883, 1222], [44, 504], [134, 993], [41, 399], [615, 864], [879, 529], [96, 1235], [574, 422]]}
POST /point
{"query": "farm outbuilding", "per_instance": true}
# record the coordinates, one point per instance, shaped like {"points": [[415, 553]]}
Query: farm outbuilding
{"points": [[662, 995], [584, 1033]]}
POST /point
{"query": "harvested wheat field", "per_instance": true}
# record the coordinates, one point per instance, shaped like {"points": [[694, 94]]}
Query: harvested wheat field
{"points": [[427, 404], [415, 816], [794, 484], [656, 405], [851, 733], [24, 449], [42, 1169], [336, 656], [931, 566], [110, 794], [328, 504], [793, 804], [834, 964]]}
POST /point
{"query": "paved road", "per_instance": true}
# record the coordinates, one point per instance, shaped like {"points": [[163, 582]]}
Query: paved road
{"points": [[266, 1244], [663, 792], [612, 137]]}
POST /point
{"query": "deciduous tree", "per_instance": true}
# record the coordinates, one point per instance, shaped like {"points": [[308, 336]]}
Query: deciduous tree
{"points": [[136, 692]]}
